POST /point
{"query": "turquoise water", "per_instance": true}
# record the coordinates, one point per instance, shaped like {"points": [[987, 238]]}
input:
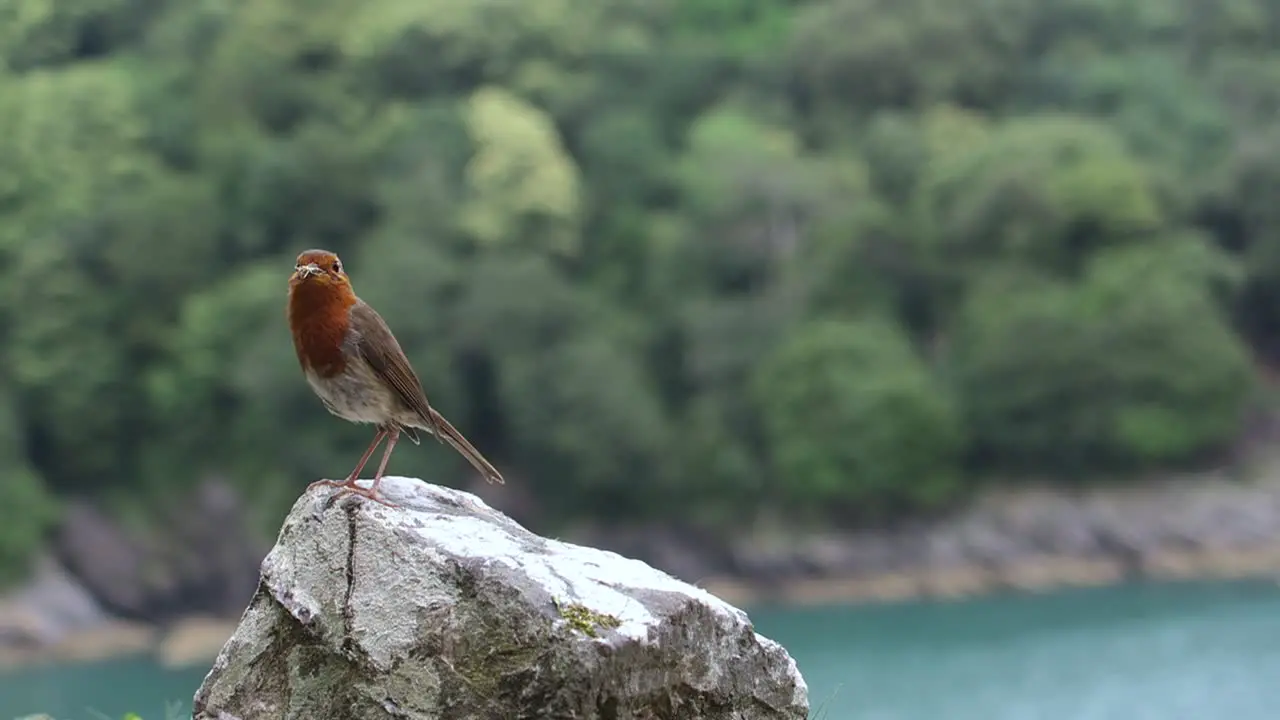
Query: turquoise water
{"points": [[1183, 652], [90, 691], [1169, 652]]}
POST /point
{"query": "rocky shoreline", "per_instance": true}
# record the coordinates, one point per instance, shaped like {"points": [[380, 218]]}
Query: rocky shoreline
{"points": [[1197, 527], [54, 619], [1209, 526], [103, 589]]}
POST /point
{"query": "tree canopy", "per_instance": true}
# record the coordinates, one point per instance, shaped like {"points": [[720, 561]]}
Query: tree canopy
{"points": [[684, 262]]}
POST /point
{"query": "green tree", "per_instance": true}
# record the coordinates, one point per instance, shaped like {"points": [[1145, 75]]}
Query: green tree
{"points": [[35, 33], [1047, 191], [522, 187], [30, 506], [877, 53], [856, 422], [1133, 367], [611, 234]]}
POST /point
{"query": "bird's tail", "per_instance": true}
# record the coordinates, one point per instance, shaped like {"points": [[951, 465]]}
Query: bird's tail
{"points": [[450, 434]]}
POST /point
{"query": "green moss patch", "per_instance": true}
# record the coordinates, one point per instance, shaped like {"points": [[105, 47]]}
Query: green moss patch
{"points": [[584, 619]]}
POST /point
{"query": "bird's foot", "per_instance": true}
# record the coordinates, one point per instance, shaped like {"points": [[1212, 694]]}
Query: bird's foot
{"points": [[332, 483], [370, 494], [349, 486]]}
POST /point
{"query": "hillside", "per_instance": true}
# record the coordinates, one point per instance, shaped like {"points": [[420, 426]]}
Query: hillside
{"points": [[838, 262]]}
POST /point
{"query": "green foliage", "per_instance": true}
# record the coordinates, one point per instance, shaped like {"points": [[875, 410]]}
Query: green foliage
{"points": [[631, 247], [907, 53], [30, 507], [856, 421], [33, 510], [1047, 191], [1134, 366], [38, 32], [522, 187], [600, 426]]}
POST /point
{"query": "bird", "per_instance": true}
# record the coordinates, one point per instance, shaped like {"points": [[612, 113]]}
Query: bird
{"points": [[352, 361]]}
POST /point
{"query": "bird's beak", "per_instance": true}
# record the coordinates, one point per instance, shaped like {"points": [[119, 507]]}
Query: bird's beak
{"points": [[303, 271]]}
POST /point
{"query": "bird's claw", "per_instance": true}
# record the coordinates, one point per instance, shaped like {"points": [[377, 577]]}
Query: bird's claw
{"points": [[349, 486], [357, 490]]}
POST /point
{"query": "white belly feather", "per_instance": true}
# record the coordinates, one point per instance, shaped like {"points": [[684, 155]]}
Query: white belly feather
{"points": [[356, 395]]}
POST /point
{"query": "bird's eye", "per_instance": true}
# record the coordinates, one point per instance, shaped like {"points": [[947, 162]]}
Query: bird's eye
{"points": [[337, 266]]}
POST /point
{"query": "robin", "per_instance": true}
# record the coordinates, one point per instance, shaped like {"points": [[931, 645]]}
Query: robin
{"points": [[356, 367]]}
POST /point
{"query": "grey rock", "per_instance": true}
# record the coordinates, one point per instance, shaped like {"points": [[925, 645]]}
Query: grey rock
{"points": [[768, 560], [831, 554], [1237, 519], [857, 553], [986, 543], [213, 555], [200, 559], [49, 607], [1052, 524], [444, 608], [103, 558], [947, 548]]}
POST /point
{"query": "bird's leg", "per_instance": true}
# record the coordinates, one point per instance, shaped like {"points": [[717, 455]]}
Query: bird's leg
{"points": [[377, 438], [372, 492], [386, 455], [351, 479]]}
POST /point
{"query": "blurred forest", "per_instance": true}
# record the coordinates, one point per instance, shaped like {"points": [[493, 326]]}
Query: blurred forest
{"points": [[693, 261]]}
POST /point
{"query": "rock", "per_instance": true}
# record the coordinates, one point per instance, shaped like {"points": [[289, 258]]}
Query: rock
{"points": [[866, 553], [1031, 538], [985, 543], [201, 559], [19, 634], [1052, 523], [445, 608], [102, 557], [48, 607], [216, 556], [54, 618]]}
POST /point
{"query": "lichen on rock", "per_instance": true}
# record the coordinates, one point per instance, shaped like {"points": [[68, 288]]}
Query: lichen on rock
{"points": [[445, 608], [586, 620]]}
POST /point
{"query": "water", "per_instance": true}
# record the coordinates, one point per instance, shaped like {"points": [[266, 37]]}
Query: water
{"points": [[1170, 652], [97, 691]]}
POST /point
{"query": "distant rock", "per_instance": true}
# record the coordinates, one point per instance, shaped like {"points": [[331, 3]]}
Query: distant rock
{"points": [[102, 557], [53, 617], [200, 558], [1028, 539], [445, 608], [46, 609]]}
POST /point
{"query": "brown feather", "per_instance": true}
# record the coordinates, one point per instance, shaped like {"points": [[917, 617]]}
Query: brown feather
{"points": [[467, 450], [380, 349]]}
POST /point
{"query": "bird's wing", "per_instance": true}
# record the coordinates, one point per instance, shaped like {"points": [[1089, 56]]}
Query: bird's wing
{"points": [[379, 348]]}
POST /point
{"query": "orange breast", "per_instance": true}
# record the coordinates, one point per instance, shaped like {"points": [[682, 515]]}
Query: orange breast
{"points": [[319, 318]]}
